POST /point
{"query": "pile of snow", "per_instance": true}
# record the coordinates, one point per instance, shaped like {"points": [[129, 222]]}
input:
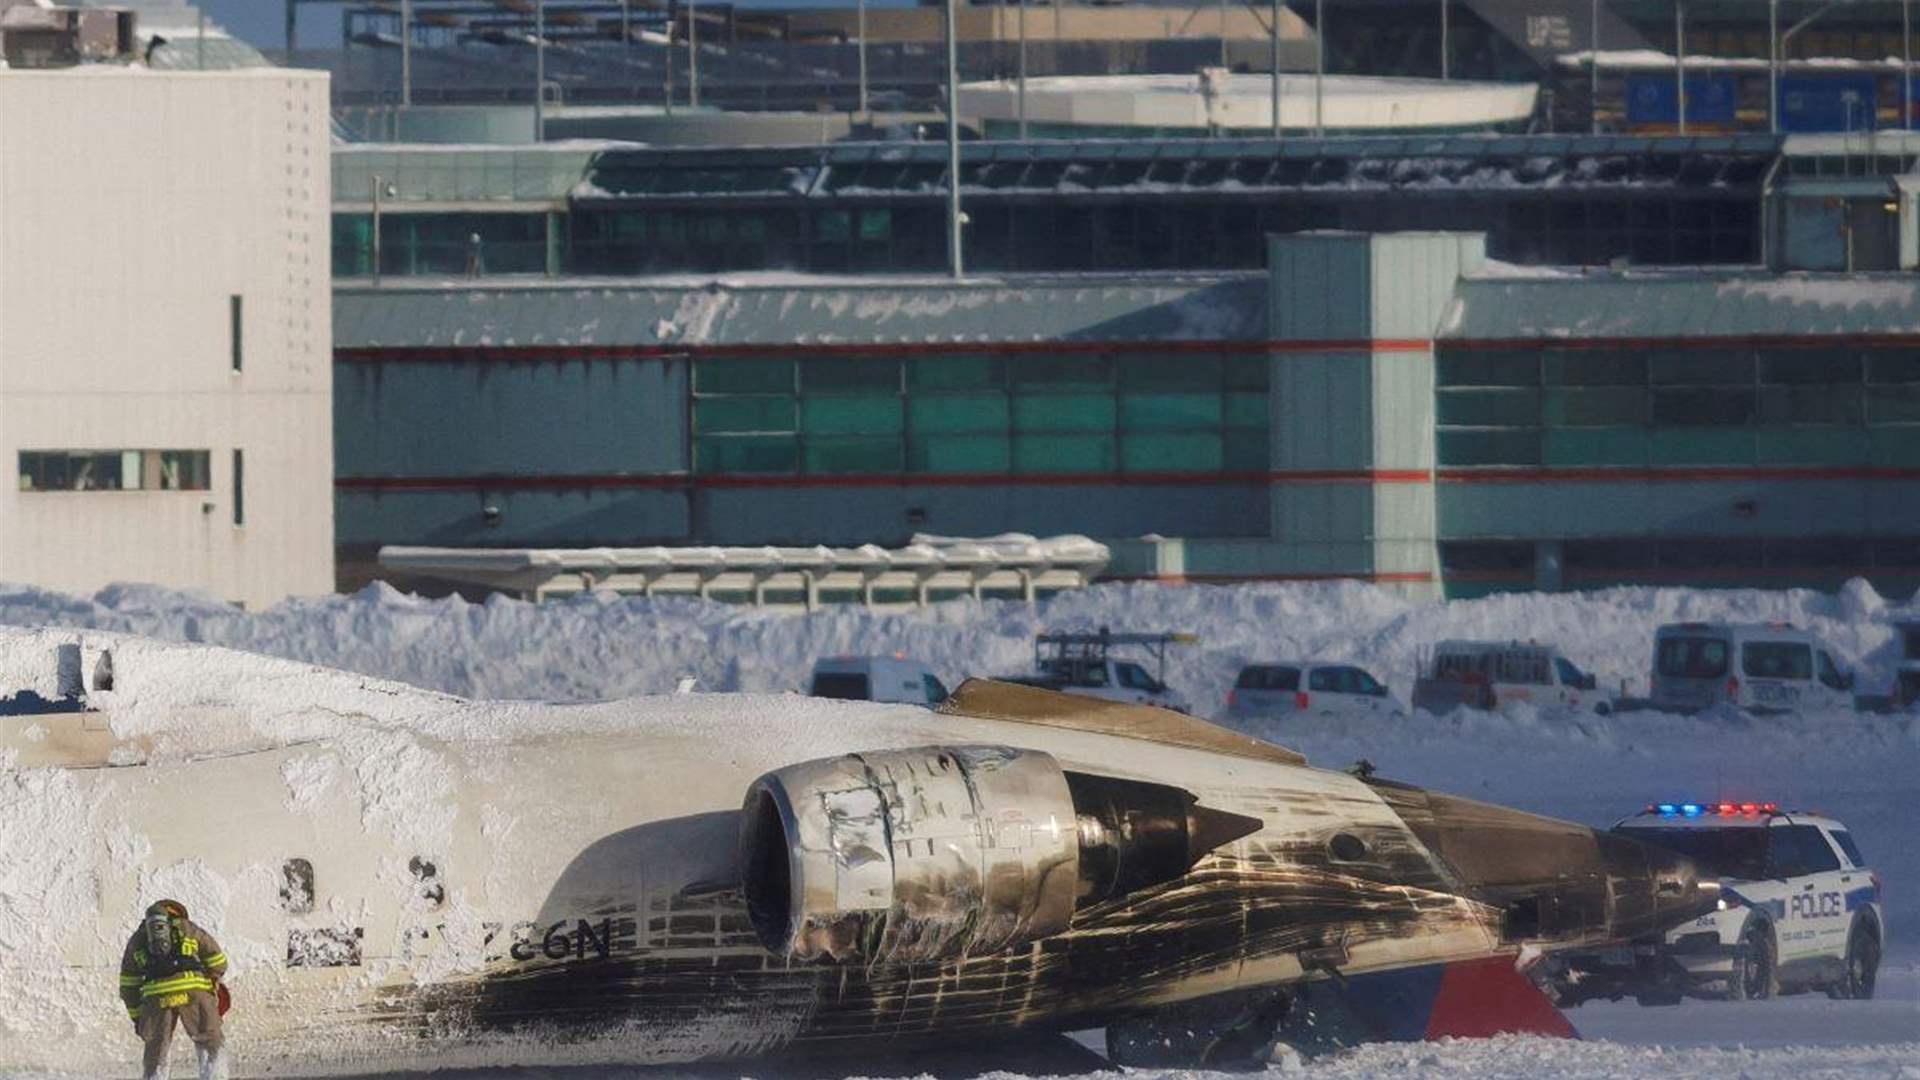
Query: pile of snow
{"points": [[601, 646]]}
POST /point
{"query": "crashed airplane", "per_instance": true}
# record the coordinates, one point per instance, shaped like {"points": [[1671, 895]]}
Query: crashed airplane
{"points": [[401, 877]]}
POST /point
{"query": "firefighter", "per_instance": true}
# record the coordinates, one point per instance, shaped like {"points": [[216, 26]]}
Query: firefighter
{"points": [[170, 973]]}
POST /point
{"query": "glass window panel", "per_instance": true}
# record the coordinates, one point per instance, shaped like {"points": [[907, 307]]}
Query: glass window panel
{"points": [[1812, 446], [1595, 446], [849, 415], [746, 453], [1809, 366], [1700, 446], [743, 376], [721, 414], [1183, 452], [1898, 446], [1893, 404], [1810, 404], [1170, 411], [960, 454], [853, 375], [944, 413], [956, 373], [1245, 410], [1511, 408], [1244, 450], [1176, 372], [1595, 367], [1605, 406], [832, 225], [1701, 366], [852, 455], [1497, 367], [1489, 447], [1704, 406], [876, 225], [1889, 366], [1063, 453], [1049, 372], [1063, 412], [1250, 373]]}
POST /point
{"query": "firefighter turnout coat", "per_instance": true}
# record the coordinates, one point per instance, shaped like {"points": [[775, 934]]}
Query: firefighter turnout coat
{"points": [[195, 964]]}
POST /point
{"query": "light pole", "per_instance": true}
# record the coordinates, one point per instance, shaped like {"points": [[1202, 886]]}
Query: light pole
{"points": [[1273, 61], [1223, 33], [862, 17], [1020, 76], [376, 188], [693, 54], [1443, 39], [540, 71], [1906, 65], [406, 52], [1319, 69], [1593, 67], [1680, 64], [955, 261]]}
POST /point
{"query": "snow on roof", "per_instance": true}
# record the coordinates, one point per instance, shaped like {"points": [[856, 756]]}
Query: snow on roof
{"points": [[1680, 303], [790, 309]]}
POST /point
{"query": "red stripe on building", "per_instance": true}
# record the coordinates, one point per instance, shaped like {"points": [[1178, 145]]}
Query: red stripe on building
{"points": [[1376, 576], [413, 354], [968, 480], [1687, 341], [1496, 474]]}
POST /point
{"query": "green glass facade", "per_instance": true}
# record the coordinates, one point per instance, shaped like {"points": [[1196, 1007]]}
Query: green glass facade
{"points": [[1019, 414], [1678, 406]]}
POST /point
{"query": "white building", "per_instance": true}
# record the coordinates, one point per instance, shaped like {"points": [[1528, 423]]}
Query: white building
{"points": [[165, 379]]}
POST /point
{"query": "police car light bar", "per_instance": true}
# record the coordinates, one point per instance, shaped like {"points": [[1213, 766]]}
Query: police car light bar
{"points": [[1720, 809]]}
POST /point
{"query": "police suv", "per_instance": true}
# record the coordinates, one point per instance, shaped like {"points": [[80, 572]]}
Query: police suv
{"points": [[1798, 910]]}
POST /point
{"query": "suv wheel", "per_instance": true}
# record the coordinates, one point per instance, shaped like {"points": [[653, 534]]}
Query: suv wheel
{"points": [[1863, 964], [1753, 974]]}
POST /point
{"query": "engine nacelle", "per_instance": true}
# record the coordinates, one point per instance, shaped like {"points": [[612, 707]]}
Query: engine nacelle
{"points": [[908, 855]]}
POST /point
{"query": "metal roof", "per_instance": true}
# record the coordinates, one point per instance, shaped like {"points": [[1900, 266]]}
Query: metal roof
{"points": [[1694, 303], [790, 309], [1430, 163]]}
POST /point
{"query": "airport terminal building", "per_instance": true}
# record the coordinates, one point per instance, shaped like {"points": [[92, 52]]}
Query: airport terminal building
{"points": [[1392, 406]]}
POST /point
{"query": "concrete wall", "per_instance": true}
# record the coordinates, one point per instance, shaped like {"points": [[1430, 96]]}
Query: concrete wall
{"points": [[1352, 398], [133, 205]]}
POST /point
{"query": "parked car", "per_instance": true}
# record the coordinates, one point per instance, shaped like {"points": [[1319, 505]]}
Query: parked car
{"points": [[1759, 667], [1083, 663], [877, 678], [1493, 674], [1308, 688]]}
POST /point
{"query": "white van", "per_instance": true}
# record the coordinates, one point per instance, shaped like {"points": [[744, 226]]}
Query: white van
{"points": [[877, 678], [1493, 674], [1308, 688], [1759, 667]]}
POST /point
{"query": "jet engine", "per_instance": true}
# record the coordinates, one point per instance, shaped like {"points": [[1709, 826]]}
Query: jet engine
{"points": [[932, 853]]}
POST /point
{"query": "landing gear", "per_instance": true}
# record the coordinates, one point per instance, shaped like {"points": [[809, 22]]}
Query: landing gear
{"points": [[1232, 1032]]}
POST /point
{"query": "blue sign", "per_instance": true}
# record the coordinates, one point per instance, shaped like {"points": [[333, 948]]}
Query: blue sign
{"points": [[1827, 102], [1653, 99]]}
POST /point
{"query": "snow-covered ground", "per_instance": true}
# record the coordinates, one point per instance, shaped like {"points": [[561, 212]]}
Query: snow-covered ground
{"points": [[1863, 769]]}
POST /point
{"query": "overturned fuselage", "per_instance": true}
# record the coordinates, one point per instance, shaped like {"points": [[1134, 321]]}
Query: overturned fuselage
{"points": [[718, 876]]}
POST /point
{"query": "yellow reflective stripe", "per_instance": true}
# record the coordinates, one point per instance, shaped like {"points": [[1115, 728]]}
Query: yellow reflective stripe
{"points": [[216, 959], [171, 1001], [132, 980], [189, 947], [176, 984]]}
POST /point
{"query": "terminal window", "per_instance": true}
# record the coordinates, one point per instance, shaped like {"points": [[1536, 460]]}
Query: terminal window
{"points": [[1031, 414], [115, 470], [1677, 405]]}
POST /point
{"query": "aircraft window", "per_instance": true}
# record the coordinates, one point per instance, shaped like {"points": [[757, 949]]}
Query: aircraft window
{"points": [[427, 883], [324, 947], [296, 886]]}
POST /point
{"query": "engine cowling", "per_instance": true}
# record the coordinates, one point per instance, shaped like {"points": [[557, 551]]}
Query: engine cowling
{"points": [[932, 853]]}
